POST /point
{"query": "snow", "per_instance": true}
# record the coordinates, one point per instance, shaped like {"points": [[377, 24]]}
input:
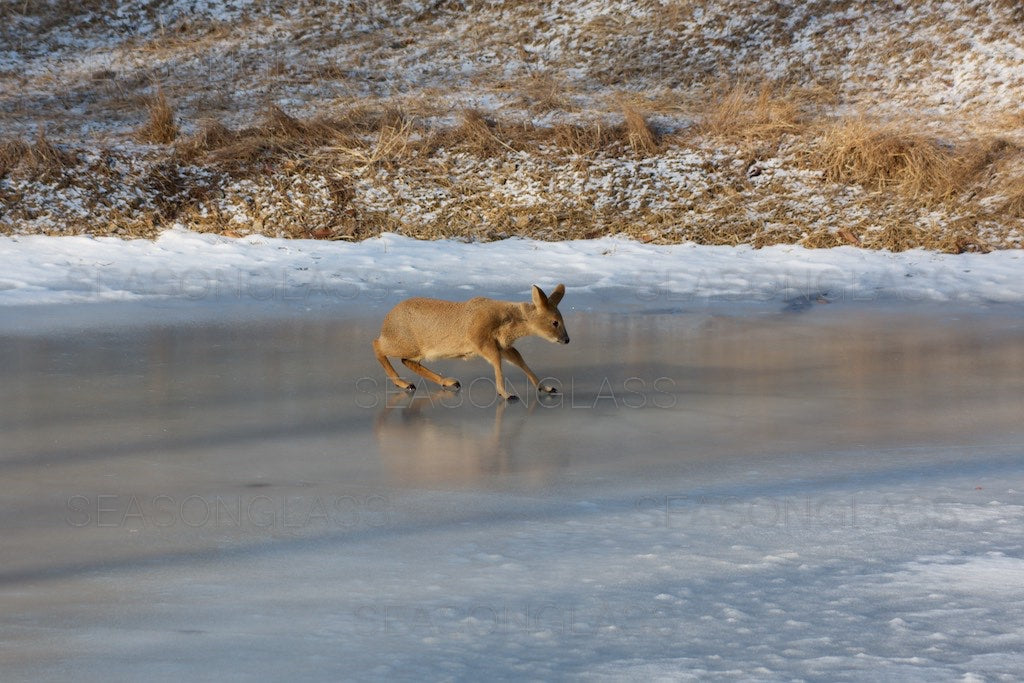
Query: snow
{"points": [[190, 266]]}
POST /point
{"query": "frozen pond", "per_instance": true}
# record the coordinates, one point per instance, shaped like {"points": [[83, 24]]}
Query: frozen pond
{"points": [[824, 491]]}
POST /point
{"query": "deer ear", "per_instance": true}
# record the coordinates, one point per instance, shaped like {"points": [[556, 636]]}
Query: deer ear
{"points": [[539, 299], [556, 295]]}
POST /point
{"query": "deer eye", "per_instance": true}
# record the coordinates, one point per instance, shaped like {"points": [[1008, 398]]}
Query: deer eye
{"points": [[555, 323]]}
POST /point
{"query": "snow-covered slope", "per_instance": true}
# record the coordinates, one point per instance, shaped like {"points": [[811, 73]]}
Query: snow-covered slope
{"points": [[730, 102]]}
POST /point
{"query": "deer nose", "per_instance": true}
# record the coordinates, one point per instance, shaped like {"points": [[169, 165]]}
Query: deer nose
{"points": [[565, 341]]}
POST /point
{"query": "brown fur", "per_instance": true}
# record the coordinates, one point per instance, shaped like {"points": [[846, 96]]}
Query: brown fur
{"points": [[421, 329]]}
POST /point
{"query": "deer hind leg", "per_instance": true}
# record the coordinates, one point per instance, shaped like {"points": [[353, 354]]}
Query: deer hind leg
{"points": [[389, 370], [446, 382], [513, 356]]}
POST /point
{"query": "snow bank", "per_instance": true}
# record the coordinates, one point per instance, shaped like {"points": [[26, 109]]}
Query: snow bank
{"points": [[604, 273]]}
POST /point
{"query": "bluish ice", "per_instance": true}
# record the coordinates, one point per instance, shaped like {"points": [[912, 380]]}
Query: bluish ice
{"points": [[805, 491]]}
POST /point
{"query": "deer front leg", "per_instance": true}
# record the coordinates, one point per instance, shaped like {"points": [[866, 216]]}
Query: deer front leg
{"points": [[492, 354], [513, 356]]}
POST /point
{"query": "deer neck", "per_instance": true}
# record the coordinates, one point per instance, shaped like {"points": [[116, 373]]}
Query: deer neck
{"points": [[514, 325]]}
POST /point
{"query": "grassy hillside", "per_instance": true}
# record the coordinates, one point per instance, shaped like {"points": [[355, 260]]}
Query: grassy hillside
{"points": [[887, 125]]}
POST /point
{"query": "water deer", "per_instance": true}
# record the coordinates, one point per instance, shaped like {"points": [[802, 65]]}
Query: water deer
{"points": [[421, 329]]}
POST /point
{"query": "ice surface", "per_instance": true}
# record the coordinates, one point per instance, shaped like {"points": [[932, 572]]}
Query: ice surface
{"points": [[787, 491]]}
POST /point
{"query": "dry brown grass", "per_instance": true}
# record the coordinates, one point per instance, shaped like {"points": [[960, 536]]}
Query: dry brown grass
{"points": [[212, 135], [308, 172], [367, 136], [487, 137], [392, 144], [746, 112], [11, 154], [478, 134], [823, 238], [161, 127], [634, 135], [51, 14], [884, 156], [1001, 163], [585, 140], [1013, 191], [757, 167], [1013, 8], [41, 160], [543, 92], [637, 132], [276, 135]]}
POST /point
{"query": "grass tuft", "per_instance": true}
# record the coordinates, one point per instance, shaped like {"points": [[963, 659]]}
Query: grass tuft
{"points": [[479, 135], [1013, 193], [634, 134], [544, 92], [11, 154], [584, 141], [887, 157], [212, 135], [42, 160], [638, 134], [748, 113], [161, 127], [392, 144]]}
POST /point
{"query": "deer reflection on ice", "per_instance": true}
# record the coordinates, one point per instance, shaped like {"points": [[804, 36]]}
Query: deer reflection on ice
{"points": [[424, 443]]}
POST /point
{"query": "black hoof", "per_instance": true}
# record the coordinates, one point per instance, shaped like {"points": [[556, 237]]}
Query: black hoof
{"points": [[512, 397], [452, 387], [547, 390], [411, 388]]}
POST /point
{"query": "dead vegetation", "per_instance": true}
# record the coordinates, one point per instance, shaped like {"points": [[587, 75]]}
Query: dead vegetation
{"points": [[756, 170], [1012, 191], [888, 157], [434, 123], [278, 137], [11, 154], [40, 160], [387, 136], [161, 127], [753, 113], [637, 132]]}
